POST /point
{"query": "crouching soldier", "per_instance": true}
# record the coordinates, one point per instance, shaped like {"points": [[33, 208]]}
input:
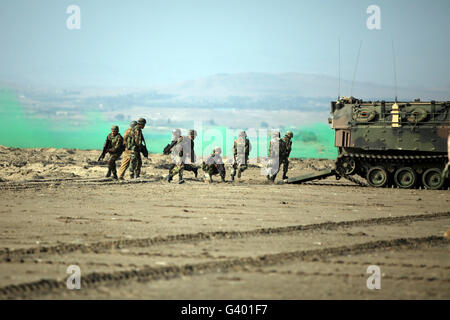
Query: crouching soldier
{"points": [[214, 165], [241, 151], [182, 154], [114, 146]]}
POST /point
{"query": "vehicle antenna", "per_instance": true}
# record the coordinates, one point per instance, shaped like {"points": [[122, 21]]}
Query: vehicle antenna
{"points": [[356, 67], [339, 70], [395, 69]]}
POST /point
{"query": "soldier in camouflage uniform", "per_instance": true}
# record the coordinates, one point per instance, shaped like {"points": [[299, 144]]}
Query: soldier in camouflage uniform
{"points": [[285, 156], [126, 155], [135, 144], [277, 148], [183, 154], [214, 165], [176, 134], [241, 151], [115, 142]]}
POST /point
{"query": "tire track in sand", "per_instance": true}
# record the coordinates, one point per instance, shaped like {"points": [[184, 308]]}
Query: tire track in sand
{"points": [[94, 279], [7, 255]]}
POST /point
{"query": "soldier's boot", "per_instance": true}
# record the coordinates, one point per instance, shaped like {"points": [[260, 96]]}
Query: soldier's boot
{"points": [[222, 178], [208, 178], [268, 177], [285, 170], [169, 177], [232, 177], [115, 175], [239, 173], [138, 173], [180, 178], [132, 175], [108, 174], [195, 172]]}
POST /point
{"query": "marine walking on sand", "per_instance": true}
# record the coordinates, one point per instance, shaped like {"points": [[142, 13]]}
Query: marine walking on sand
{"points": [[277, 150], [126, 154], [168, 149], [182, 154], [114, 146], [241, 151], [135, 143]]}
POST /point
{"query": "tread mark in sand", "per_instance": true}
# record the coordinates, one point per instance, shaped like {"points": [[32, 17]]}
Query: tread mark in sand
{"points": [[149, 273], [7, 255]]}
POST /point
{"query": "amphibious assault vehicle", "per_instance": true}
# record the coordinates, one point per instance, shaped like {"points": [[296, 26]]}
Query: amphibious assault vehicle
{"points": [[401, 144]]}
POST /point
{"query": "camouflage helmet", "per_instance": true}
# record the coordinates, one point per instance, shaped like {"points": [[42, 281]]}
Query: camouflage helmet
{"points": [[133, 124], [217, 150], [115, 128], [243, 134], [275, 134], [192, 133], [176, 132], [141, 121], [289, 134]]}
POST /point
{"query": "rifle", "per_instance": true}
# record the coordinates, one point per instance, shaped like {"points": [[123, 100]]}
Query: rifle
{"points": [[169, 146], [144, 149], [106, 146]]}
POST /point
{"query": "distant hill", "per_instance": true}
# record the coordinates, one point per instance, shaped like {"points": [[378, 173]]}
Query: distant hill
{"points": [[289, 91], [289, 85]]}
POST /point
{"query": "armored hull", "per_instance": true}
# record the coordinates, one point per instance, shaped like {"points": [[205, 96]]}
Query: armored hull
{"points": [[401, 144]]}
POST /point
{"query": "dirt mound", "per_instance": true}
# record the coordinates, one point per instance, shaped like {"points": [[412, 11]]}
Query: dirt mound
{"points": [[17, 164]]}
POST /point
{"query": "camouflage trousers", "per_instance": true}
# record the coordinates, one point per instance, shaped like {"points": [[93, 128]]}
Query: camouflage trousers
{"points": [[135, 163], [186, 166], [125, 164], [177, 169], [239, 168], [276, 168], [285, 163], [113, 157], [213, 169]]}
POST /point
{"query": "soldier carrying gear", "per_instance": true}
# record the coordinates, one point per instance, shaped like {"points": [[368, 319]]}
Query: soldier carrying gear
{"points": [[183, 155], [214, 165], [277, 149], [135, 145], [126, 155], [176, 133], [114, 146], [241, 151], [285, 156]]}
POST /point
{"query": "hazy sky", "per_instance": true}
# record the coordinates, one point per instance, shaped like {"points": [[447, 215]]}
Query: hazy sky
{"points": [[138, 43]]}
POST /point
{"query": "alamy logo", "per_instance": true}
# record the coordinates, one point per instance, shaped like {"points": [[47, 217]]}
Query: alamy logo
{"points": [[74, 20], [374, 20], [74, 280], [374, 281]]}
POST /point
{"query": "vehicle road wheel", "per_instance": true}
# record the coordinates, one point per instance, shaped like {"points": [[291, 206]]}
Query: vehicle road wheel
{"points": [[432, 179], [405, 178], [349, 166], [377, 177]]}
